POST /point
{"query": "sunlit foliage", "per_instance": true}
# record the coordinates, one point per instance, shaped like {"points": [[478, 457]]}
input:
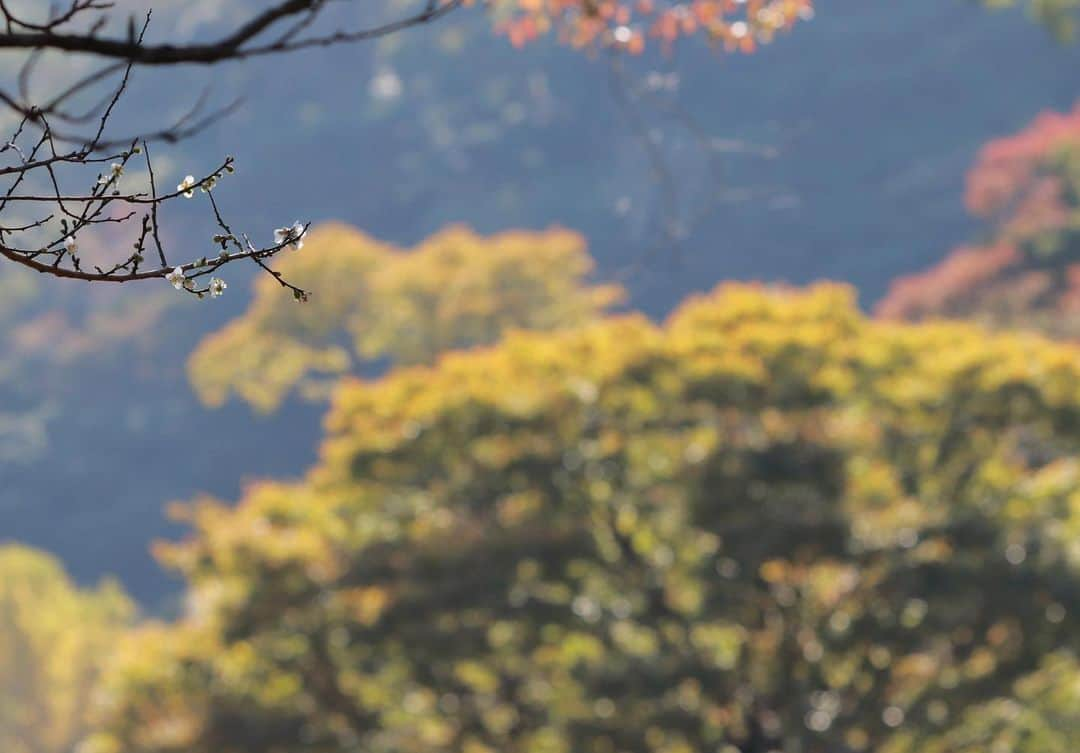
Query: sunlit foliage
{"points": [[1028, 187], [769, 524], [375, 301], [1041, 718], [53, 638], [739, 25]]}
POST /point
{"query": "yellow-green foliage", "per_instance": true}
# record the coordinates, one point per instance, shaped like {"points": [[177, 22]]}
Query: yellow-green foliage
{"points": [[454, 290], [769, 523], [53, 638]]}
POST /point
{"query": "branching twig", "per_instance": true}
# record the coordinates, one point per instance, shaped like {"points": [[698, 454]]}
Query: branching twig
{"points": [[45, 154]]}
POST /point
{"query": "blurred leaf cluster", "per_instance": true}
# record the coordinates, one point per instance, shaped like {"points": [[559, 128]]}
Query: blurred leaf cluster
{"points": [[767, 524], [1027, 273], [54, 638], [629, 26], [378, 303]]}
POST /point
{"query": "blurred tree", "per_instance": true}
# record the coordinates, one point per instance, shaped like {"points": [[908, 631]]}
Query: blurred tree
{"points": [[53, 638], [1027, 186], [377, 302], [768, 525], [1041, 718]]}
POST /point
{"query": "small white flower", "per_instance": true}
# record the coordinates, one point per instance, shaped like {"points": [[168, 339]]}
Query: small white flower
{"points": [[217, 287], [187, 186], [293, 236], [177, 279], [71, 246], [115, 171], [208, 184]]}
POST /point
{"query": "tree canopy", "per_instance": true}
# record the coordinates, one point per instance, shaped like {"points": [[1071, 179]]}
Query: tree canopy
{"points": [[54, 638], [1027, 188], [768, 524], [380, 303]]}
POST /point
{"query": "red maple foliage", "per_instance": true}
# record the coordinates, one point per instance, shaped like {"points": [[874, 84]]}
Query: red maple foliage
{"points": [[1028, 186], [946, 289], [1011, 175], [736, 25]]}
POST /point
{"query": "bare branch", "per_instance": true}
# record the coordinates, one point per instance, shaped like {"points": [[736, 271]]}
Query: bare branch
{"points": [[46, 153], [290, 19]]}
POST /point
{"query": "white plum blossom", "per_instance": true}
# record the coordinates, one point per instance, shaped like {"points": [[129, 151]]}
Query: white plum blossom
{"points": [[187, 185], [115, 171], [208, 184], [293, 236], [177, 279], [71, 246], [217, 287]]}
